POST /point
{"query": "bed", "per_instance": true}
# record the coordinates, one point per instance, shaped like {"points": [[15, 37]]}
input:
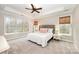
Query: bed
{"points": [[41, 37]]}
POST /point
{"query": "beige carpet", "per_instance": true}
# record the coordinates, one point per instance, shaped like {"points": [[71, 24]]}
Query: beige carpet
{"points": [[22, 46]]}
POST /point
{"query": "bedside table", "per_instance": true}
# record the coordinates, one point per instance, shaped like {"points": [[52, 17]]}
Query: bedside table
{"points": [[57, 37]]}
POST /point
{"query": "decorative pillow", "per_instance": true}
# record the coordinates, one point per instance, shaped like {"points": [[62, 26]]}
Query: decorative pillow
{"points": [[43, 30]]}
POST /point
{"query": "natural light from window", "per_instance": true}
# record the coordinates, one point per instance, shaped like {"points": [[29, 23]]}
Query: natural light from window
{"points": [[15, 25]]}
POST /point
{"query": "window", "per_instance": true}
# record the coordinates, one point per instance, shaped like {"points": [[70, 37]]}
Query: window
{"points": [[64, 29], [13, 25], [64, 25], [35, 26]]}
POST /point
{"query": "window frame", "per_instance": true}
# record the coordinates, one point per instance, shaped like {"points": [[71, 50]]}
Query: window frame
{"points": [[70, 29], [5, 30]]}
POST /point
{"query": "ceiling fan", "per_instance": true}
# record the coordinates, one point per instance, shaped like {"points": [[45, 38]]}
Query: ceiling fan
{"points": [[34, 9]]}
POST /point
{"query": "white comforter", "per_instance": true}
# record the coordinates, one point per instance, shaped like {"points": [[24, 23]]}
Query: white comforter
{"points": [[40, 38], [3, 44]]}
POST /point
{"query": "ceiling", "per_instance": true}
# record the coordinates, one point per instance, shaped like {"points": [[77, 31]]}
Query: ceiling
{"points": [[47, 8]]}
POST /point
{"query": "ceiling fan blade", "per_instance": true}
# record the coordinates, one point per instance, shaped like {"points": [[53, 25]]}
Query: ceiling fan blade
{"points": [[38, 8], [37, 11], [32, 11], [32, 6], [28, 8]]}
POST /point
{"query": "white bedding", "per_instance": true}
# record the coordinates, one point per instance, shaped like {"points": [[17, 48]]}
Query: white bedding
{"points": [[3, 44], [40, 38]]}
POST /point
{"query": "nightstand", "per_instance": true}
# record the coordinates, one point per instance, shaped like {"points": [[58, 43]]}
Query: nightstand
{"points": [[57, 37]]}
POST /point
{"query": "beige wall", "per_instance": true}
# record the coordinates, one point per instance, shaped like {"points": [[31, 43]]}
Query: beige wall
{"points": [[1, 25], [76, 26]]}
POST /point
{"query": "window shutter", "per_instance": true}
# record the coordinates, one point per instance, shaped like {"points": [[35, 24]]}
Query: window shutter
{"points": [[35, 22], [64, 20]]}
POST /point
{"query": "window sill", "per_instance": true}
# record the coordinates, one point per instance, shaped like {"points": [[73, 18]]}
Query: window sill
{"points": [[15, 33], [63, 34]]}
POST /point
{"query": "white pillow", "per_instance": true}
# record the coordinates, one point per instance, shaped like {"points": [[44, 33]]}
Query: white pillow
{"points": [[50, 30]]}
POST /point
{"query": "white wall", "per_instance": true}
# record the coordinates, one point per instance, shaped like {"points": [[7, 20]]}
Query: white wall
{"points": [[1, 25], [49, 20], [54, 19], [30, 25], [76, 26]]}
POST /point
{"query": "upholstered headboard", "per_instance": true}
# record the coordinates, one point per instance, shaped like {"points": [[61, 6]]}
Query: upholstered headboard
{"points": [[48, 26]]}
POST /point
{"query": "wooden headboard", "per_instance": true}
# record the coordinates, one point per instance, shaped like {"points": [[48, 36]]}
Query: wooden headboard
{"points": [[48, 26]]}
